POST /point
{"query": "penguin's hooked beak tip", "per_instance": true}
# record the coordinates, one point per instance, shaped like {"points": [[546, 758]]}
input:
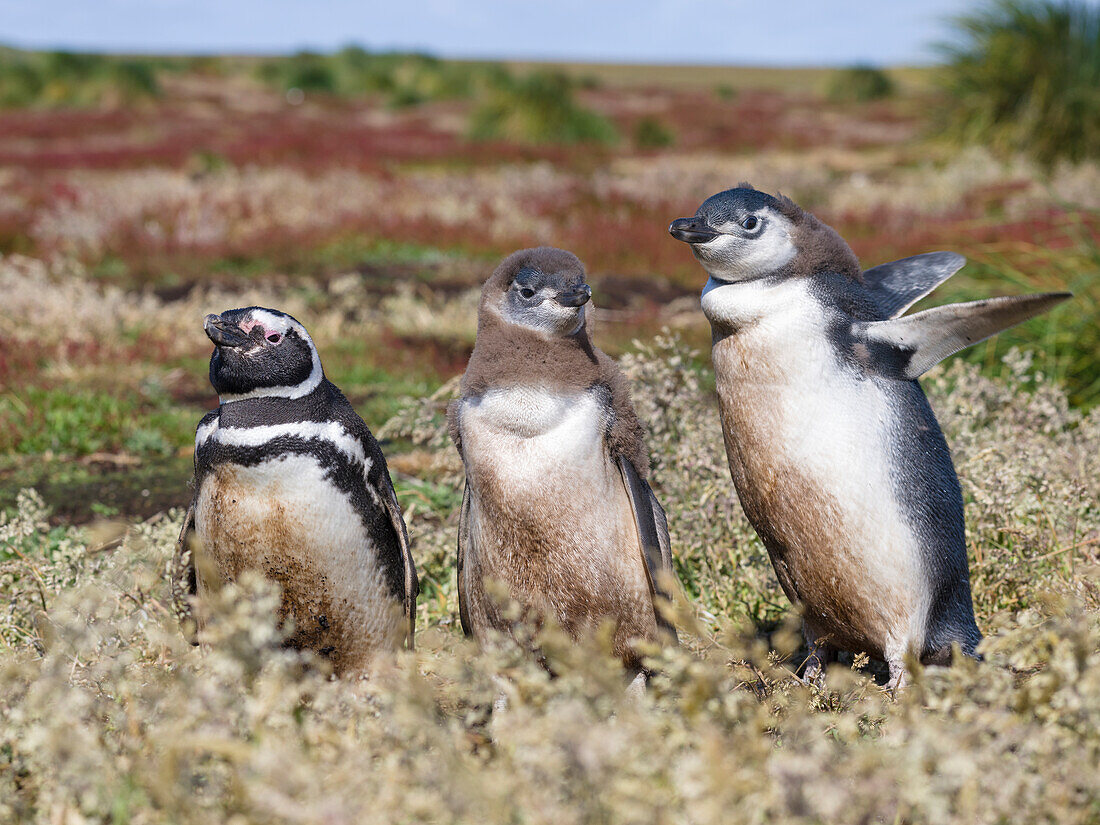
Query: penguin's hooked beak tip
{"points": [[578, 296], [221, 333], [691, 230]]}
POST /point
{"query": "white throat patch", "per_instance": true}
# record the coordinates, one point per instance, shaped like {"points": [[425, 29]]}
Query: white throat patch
{"points": [[733, 257], [550, 318]]}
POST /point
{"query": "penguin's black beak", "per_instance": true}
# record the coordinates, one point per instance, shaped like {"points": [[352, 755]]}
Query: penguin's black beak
{"points": [[691, 230], [575, 297], [222, 333]]}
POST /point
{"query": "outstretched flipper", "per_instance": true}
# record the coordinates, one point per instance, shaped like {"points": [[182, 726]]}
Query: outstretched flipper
{"points": [[897, 285], [906, 348], [182, 579], [653, 532]]}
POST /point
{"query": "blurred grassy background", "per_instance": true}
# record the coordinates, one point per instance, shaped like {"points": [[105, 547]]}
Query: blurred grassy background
{"points": [[371, 193]]}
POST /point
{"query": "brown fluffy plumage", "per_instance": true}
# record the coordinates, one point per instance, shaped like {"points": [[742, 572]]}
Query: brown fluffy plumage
{"points": [[507, 355], [556, 506]]}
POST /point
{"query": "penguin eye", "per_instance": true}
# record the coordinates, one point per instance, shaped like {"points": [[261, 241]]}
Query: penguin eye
{"points": [[750, 222], [527, 292], [273, 337]]}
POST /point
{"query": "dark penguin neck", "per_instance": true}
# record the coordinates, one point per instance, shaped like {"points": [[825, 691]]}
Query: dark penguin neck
{"points": [[509, 356], [318, 405]]}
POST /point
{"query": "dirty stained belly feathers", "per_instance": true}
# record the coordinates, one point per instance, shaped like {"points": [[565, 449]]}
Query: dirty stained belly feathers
{"points": [[283, 518]]}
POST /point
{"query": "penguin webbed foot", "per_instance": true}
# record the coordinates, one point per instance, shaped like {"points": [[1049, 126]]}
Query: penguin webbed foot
{"points": [[820, 655]]}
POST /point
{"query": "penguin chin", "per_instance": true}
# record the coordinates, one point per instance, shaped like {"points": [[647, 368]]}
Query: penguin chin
{"points": [[734, 268], [579, 326], [568, 327], [721, 268], [552, 319], [229, 373]]}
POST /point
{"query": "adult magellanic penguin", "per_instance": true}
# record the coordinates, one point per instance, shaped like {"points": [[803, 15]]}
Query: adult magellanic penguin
{"points": [[290, 482], [836, 454], [556, 505]]}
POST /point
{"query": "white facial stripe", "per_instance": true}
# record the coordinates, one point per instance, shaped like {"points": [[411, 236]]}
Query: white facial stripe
{"points": [[278, 323], [330, 431], [282, 324]]}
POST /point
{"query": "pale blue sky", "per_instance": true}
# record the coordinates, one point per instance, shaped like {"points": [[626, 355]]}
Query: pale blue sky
{"points": [[799, 32]]}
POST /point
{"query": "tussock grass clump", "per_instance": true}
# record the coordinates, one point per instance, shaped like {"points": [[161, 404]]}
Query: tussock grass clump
{"points": [[74, 79], [539, 108], [401, 79], [859, 83], [1026, 77], [652, 133]]}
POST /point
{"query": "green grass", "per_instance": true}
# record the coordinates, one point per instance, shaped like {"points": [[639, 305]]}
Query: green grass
{"points": [[78, 422], [1026, 77], [77, 492], [352, 250], [74, 79], [653, 133], [860, 83], [539, 108], [401, 79], [1065, 342], [376, 390]]}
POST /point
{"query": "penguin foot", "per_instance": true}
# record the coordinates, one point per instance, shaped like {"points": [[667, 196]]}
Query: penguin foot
{"points": [[821, 653], [899, 675]]}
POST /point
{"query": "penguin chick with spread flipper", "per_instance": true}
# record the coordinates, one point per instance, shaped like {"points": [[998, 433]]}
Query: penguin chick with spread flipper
{"points": [[836, 455], [290, 482], [556, 506]]}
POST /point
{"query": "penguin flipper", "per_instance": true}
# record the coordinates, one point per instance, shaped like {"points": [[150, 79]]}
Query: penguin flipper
{"points": [[182, 578], [463, 542], [656, 548], [412, 584], [906, 348], [897, 285]]}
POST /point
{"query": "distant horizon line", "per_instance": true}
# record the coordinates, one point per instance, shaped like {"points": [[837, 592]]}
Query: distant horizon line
{"points": [[465, 58]]}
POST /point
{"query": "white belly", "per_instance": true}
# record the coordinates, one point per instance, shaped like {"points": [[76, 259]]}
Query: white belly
{"points": [[550, 515], [283, 518], [528, 440], [793, 412]]}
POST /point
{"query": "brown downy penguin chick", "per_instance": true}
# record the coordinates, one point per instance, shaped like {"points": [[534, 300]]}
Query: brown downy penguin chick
{"points": [[290, 482], [836, 454], [556, 505]]}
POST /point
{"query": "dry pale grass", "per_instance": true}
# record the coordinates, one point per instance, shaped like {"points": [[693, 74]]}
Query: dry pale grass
{"points": [[109, 716]]}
